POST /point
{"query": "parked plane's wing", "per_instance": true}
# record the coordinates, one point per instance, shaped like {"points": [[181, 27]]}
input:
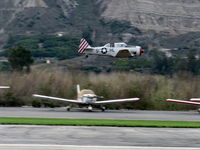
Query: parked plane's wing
{"points": [[58, 99], [181, 101], [195, 99], [4, 87], [117, 101]]}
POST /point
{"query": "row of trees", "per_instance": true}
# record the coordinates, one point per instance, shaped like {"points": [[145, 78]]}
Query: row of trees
{"points": [[170, 65], [60, 47], [154, 61], [158, 63]]}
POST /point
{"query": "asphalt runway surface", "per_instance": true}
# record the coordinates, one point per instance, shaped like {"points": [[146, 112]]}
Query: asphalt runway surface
{"points": [[97, 114], [99, 136], [34, 137], [74, 147]]}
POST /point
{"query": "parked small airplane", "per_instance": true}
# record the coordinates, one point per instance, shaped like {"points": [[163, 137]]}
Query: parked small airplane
{"points": [[88, 99], [193, 101], [121, 50]]}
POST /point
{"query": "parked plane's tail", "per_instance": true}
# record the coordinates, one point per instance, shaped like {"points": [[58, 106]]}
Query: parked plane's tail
{"points": [[83, 46], [78, 88]]}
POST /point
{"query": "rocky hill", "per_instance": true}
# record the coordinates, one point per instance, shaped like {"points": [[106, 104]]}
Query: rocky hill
{"points": [[148, 21], [160, 15]]}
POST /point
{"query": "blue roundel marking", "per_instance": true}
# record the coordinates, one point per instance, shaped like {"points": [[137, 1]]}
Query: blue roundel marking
{"points": [[104, 50]]}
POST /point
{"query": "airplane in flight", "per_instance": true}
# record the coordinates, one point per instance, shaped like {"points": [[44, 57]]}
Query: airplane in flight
{"points": [[87, 98], [192, 101], [120, 50]]}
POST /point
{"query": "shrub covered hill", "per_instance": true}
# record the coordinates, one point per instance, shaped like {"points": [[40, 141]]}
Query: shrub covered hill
{"points": [[153, 24]]}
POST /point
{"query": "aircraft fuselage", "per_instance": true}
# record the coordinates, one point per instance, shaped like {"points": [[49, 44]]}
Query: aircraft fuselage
{"points": [[116, 51]]}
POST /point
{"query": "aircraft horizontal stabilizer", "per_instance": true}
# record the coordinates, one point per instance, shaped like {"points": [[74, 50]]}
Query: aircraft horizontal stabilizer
{"points": [[182, 101], [4, 87], [58, 99], [117, 101]]}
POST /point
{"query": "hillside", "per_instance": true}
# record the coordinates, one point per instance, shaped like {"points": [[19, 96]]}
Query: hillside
{"points": [[177, 16], [146, 22]]}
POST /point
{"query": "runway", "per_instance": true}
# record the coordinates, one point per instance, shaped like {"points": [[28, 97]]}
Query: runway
{"points": [[25, 137], [99, 136], [74, 147], [109, 114]]}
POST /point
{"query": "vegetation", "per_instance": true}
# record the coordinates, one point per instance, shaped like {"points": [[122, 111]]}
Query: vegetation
{"points": [[112, 85], [46, 45], [156, 62], [19, 58], [101, 122]]}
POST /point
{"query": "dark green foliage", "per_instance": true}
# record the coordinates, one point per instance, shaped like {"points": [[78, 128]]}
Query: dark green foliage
{"points": [[5, 66], [91, 69], [163, 64], [10, 100], [122, 64], [19, 58], [157, 62], [133, 64], [50, 104], [36, 103], [192, 63], [47, 45]]}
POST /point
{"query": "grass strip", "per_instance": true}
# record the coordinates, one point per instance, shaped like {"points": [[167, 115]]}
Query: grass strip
{"points": [[99, 122]]}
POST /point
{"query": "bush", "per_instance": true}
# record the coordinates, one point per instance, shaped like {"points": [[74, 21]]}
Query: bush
{"points": [[50, 104], [36, 103], [10, 100], [151, 89]]}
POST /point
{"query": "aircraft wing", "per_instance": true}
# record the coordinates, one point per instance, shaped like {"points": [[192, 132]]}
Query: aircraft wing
{"points": [[195, 99], [181, 101], [58, 99], [117, 101]]}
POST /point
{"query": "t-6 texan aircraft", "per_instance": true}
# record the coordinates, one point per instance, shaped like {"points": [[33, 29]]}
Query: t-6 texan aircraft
{"points": [[121, 50], [193, 101], [87, 98]]}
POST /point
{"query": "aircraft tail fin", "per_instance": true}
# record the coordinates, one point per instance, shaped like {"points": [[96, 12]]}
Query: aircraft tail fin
{"points": [[78, 88], [83, 46]]}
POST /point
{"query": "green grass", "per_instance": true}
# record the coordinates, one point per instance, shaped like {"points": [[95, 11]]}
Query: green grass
{"points": [[99, 122]]}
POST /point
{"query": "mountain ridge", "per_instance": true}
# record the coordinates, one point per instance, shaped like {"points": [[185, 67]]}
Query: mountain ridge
{"points": [[133, 20]]}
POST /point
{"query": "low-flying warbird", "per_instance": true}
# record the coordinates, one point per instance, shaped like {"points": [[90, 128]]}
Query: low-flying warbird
{"points": [[121, 50], [87, 98], [192, 101]]}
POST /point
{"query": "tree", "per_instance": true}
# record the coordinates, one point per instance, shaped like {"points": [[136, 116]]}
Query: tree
{"points": [[19, 58], [192, 62], [162, 64]]}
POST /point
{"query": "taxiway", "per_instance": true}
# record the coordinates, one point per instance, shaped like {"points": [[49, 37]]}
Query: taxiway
{"points": [[96, 114]]}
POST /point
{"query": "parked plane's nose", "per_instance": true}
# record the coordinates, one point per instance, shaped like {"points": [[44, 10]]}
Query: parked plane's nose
{"points": [[141, 51]]}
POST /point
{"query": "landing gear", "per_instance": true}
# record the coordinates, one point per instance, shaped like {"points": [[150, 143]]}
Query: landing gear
{"points": [[198, 110], [68, 108], [90, 108], [103, 109]]}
